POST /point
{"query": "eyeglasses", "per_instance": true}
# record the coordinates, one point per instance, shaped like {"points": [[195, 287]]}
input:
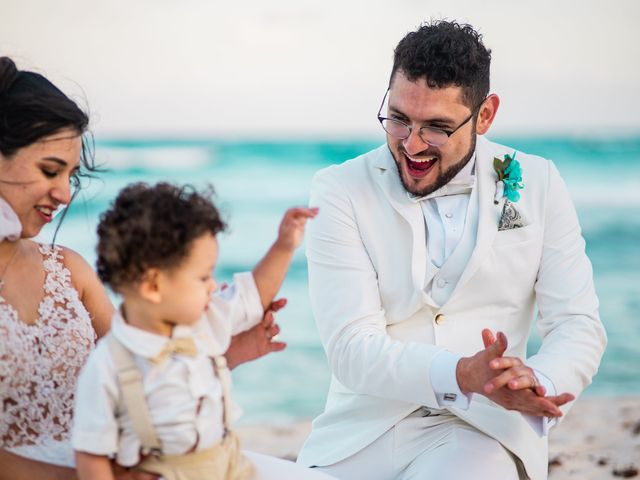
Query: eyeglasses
{"points": [[436, 137]]}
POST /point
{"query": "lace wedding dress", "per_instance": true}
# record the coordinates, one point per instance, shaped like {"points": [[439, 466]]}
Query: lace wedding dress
{"points": [[39, 366]]}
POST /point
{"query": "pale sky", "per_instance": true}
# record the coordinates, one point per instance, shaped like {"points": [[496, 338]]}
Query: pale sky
{"points": [[294, 69]]}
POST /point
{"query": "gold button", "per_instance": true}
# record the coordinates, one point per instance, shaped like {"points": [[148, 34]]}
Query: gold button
{"points": [[439, 319]]}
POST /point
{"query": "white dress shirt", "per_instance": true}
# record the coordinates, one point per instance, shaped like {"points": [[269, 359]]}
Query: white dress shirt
{"points": [[183, 394]]}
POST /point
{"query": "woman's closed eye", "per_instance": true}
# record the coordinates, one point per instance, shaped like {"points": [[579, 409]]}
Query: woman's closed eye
{"points": [[50, 173], [74, 176]]}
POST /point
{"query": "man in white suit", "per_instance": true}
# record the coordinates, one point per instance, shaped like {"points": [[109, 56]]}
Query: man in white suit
{"points": [[427, 268]]}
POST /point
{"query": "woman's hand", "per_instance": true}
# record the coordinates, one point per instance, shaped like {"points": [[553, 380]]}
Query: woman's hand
{"points": [[258, 341]]}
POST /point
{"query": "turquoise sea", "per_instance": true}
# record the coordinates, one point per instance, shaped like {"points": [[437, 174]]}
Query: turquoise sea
{"points": [[257, 181]]}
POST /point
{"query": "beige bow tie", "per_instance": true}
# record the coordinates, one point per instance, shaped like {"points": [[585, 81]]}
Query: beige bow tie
{"points": [[176, 346]]}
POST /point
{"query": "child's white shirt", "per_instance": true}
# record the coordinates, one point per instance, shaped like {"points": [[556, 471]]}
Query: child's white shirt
{"points": [[173, 387]]}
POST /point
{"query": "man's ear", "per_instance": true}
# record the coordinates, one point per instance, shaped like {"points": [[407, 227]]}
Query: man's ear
{"points": [[487, 113], [149, 287]]}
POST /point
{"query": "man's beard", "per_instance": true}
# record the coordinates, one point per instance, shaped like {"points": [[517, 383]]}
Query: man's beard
{"points": [[443, 178]]}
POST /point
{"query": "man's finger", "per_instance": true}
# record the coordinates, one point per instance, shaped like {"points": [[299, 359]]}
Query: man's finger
{"points": [[502, 363], [540, 406], [561, 399], [501, 341], [487, 338], [497, 348], [539, 390], [521, 375], [522, 382]]}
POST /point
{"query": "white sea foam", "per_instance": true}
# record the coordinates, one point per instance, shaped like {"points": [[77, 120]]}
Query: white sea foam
{"points": [[152, 158]]}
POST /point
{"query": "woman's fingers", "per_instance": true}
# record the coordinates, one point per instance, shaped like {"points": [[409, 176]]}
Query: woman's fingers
{"points": [[278, 304]]}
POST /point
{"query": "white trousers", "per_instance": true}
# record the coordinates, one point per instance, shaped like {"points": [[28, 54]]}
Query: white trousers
{"points": [[267, 467], [429, 447], [272, 468]]}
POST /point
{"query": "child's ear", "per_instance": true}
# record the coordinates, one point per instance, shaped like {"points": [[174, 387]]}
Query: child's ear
{"points": [[149, 286]]}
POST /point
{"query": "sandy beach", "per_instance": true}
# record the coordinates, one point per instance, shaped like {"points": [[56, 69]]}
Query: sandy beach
{"points": [[599, 439]]}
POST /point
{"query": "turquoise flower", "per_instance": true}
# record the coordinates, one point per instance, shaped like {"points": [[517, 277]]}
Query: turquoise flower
{"points": [[513, 180], [510, 174]]}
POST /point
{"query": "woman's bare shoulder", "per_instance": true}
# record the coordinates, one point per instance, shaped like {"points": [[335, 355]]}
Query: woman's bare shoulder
{"points": [[73, 260]]}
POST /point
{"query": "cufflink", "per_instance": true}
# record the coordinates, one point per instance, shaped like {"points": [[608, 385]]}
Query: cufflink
{"points": [[450, 397]]}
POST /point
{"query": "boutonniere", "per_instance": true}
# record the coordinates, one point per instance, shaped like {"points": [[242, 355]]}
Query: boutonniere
{"points": [[509, 178], [509, 182]]}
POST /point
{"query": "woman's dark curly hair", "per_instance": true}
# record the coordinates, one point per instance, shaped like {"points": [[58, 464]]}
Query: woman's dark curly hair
{"points": [[446, 54], [152, 227]]}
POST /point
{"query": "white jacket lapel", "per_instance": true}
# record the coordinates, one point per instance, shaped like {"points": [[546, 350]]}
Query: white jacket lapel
{"points": [[488, 211], [392, 188]]}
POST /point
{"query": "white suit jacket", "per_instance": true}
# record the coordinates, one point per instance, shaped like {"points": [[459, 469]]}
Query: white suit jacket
{"points": [[367, 262]]}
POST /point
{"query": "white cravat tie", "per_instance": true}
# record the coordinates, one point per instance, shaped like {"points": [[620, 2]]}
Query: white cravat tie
{"points": [[445, 213]]}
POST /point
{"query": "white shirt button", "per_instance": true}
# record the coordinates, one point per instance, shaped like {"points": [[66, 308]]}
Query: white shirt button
{"points": [[441, 282], [448, 215]]}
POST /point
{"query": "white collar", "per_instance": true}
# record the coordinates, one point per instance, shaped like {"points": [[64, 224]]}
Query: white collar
{"points": [[463, 182], [148, 345]]}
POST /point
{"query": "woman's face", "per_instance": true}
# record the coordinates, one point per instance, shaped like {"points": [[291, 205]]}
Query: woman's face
{"points": [[37, 179]]}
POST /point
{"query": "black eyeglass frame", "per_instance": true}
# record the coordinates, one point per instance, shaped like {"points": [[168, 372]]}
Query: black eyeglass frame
{"points": [[410, 127]]}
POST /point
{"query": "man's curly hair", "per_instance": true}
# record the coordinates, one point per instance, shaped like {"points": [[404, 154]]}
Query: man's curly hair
{"points": [[152, 227], [446, 54]]}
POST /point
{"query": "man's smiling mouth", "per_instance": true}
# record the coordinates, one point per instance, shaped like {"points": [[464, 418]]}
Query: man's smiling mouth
{"points": [[419, 167]]}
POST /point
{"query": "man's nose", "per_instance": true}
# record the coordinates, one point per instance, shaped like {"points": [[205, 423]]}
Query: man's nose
{"points": [[414, 144]]}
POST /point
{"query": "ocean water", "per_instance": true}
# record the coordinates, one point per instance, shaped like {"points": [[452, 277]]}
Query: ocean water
{"points": [[257, 181]]}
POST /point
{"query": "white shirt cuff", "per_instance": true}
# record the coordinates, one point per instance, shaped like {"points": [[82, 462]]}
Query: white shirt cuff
{"points": [[251, 298], [240, 302], [542, 425], [444, 383]]}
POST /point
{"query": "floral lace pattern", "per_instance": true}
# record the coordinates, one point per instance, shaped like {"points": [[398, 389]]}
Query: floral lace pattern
{"points": [[40, 363]]}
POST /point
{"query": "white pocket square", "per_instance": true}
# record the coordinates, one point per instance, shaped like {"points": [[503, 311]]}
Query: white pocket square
{"points": [[511, 218]]}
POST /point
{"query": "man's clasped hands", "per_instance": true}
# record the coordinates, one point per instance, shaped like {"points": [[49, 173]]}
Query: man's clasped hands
{"points": [[507, 380]]}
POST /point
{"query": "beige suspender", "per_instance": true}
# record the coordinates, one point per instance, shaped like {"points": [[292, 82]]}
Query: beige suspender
{"points": [[133, 398], [220, 366]]}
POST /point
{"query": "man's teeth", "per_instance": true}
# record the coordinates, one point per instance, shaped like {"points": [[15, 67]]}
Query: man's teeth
{"points": [[422, 160]]}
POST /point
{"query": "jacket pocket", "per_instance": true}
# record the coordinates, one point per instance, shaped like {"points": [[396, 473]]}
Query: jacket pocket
{"points": [[515, 236]]}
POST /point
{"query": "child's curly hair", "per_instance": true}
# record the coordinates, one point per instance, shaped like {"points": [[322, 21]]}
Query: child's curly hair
{"points": [[152, 227]]}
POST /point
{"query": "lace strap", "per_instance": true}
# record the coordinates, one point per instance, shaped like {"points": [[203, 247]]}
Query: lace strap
{"points": [[50, 251], [57, 274]]}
